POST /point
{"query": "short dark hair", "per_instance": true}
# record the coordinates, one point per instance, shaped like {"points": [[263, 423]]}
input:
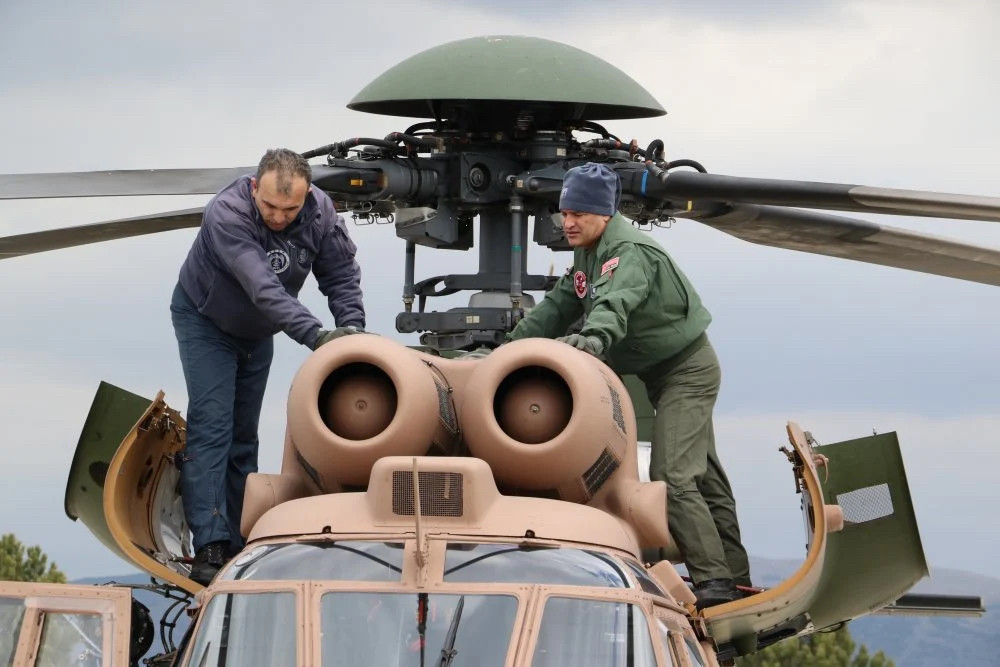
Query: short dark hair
{"points": [[286, 164]]}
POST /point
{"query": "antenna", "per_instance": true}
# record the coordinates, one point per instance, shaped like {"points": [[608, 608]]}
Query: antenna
{"points": [[421, 551]]}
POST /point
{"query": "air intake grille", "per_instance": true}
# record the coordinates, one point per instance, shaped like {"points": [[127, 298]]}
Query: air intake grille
{"points": [[446, 410], [598, 474], [866, 504], [440, 493], [616, 409]]}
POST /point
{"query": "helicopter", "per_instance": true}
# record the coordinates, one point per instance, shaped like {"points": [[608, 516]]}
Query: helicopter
{"points": [[431, 182]]}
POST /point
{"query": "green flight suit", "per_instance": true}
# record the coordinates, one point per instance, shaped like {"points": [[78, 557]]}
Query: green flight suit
{"points": [[652, 324]]}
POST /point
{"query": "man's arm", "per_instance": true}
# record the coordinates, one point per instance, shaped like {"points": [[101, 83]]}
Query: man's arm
{"points": [[229, 232], [553, 316], [338, 273], [627, 287]]}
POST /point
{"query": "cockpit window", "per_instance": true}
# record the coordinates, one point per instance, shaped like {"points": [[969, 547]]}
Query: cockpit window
{"points": [[694, 655], [246, 629], [11, 613], [351, 560], [580, 633], [512, 563], [67, 634], [416, 629], [646, 582], [666, 644]]}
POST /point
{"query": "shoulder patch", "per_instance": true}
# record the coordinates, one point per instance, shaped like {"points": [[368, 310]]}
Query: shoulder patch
{"points": [[580, 284], [609, 265]]}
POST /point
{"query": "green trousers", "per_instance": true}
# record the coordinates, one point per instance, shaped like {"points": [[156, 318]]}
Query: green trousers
{"points": [[701, 511]]}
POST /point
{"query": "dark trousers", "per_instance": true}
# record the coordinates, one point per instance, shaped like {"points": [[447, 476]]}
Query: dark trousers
{"points": [[225, 377], [701, 511]]}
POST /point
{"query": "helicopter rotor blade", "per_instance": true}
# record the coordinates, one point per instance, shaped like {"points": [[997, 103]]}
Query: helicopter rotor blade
{"points": [[860, 240], [691, 185], [68, 237], [135, 182]]}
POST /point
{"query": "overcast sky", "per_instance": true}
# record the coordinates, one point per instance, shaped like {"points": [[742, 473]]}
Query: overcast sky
{"points": [[898, 94]]}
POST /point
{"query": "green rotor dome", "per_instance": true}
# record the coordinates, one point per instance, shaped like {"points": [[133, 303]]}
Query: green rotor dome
{"points": [[483, 71]]}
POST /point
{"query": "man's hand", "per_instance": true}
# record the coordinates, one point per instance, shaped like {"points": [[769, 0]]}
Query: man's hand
{"points": [[590, 344], [325, 335]]}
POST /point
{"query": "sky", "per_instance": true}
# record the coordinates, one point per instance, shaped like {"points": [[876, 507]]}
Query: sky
{"points": [[880, 92]]}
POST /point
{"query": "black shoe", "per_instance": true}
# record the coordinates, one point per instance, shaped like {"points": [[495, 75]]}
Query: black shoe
{"points": [[715, 591], [207, 562]]}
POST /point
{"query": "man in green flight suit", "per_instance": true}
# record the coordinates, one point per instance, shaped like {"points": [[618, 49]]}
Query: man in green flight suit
{"points": [[643, 317]]}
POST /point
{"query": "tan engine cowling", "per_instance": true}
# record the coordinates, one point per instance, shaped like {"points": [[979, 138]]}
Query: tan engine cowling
{"points": [[546, 416], [360, 398]]}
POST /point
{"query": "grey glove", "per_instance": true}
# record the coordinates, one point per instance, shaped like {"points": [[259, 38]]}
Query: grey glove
{"points": [[590, 344], [325, 335]]}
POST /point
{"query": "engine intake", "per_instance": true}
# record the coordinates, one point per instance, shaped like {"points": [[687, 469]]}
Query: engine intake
{"points": [[545, 417], [363, 398]]}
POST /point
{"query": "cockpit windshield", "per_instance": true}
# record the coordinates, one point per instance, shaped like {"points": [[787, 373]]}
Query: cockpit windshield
{"points": [[248, 629], [353, 560], [602, 633], [420, 628], [416, 629], [512, 563]]}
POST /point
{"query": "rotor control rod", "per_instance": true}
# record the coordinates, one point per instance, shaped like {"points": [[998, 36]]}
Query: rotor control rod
{"points": [[409, 270], [516, 252]]}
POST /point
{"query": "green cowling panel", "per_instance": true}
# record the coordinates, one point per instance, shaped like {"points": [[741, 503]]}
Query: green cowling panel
{"points": [[878, 555], [112, 415], [507, 68]]}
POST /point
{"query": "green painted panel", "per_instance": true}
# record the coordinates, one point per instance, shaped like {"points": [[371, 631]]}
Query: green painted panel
{"points": [[878, 555], [504, 67], [112, 415]]}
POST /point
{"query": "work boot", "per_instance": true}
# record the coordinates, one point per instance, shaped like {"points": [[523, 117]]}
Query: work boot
{"points": [[715, 591], [207, 562]]}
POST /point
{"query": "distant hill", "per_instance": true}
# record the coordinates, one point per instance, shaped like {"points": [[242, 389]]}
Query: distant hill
{"points": [[909, 641], [931, 641]]}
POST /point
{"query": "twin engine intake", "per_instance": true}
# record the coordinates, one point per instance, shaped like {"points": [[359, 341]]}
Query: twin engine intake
{"points": [[550, 420]]}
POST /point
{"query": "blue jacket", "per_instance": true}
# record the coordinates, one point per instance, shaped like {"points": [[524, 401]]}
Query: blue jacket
{"points": [[246, 278]]}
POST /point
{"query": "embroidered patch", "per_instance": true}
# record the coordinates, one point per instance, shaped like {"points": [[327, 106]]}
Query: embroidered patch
{"points": [[278, 260], [303, 256], [609, 265], [580, 284]]}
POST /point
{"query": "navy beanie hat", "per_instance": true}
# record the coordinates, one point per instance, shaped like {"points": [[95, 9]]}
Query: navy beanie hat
{"points": [[591, 188]]}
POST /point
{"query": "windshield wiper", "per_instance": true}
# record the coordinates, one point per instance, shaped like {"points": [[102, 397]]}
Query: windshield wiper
{"points": [[448, 651], [204, 656], [422, 623]]}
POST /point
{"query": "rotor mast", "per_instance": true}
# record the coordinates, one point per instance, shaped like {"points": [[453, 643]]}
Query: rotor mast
{"points": [[493, 120]]}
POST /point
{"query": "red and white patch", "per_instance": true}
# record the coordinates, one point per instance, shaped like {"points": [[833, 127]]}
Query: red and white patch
{"points": [[580, 284], [609, 265]]}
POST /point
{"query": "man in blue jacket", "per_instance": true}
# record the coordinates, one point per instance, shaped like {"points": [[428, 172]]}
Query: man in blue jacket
{"points": [[260, 237]]}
